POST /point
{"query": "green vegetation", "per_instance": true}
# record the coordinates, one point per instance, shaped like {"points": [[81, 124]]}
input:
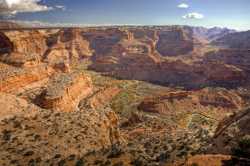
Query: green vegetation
{"points": [[243, 148]]}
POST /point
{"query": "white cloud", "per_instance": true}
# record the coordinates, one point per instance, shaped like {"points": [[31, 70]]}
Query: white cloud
{"points": [[193, 15], [12, 7], [183, 5], [60, 7]]}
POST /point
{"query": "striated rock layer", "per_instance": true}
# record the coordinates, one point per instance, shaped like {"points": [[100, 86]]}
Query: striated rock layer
{"points": [[13, 78], [66, 45], [164, 55], [28, 43], [219, 102], [100, 98], [65, 91], [198, 110]]}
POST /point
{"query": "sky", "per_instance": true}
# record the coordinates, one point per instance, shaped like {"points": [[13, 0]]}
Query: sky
{"points": [[208, 13]]}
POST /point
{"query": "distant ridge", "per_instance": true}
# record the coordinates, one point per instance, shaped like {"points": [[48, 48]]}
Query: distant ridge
{"points": [[239, 40], [211, 34], [9, 25]]}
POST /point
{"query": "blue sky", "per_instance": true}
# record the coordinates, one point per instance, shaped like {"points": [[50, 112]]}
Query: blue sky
{"points": [[224, 13]]}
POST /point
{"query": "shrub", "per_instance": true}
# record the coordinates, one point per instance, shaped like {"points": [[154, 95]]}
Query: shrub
{"points": [[243, 148]]}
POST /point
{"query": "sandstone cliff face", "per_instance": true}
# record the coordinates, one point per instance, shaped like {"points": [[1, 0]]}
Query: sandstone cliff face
{"points": [[61, 133], [28, 43], [6, 46], [65, 91], [174, 42], [103, 41], [224, 74], [171, 72], [236, 57], [37, 66], [13, 78], [138, 54], [23, 48], [118, 51], [67, 45]]}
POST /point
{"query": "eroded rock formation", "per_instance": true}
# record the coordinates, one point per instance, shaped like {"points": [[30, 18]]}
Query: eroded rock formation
{"points": [[100, 98], [67, 45], [13, 78], [174, 42], [53, 114], [221, 101], [28, 43], [65, 91]]}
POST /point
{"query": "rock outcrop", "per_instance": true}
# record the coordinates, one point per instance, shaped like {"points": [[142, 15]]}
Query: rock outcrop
{"points": [[13, 78], [138, 54], [65, 91], [100, 98], [6, 46], [221, 101], [167, 72], [118, 51], [52, 113], [28, 43], [23, 48], [235, 57]]}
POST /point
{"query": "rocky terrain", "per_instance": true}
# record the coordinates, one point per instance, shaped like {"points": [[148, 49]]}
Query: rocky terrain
{"points": [[160, 95]]}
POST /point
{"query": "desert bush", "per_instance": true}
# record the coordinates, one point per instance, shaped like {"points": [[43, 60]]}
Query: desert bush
{"points": [[243, 148]]}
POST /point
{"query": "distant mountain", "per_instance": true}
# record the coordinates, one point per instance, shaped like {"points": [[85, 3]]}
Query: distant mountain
{"points": [[239, 40], [211, 34], [9, 25]]}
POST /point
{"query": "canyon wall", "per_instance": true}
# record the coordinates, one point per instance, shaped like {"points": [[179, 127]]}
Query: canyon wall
{"points": [[157, 54]]}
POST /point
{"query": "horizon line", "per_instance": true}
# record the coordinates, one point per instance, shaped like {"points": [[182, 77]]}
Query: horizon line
{"points": [[39, 24]]}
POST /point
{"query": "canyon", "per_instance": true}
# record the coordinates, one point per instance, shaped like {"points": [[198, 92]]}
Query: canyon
{"points": [[123, 95]]}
